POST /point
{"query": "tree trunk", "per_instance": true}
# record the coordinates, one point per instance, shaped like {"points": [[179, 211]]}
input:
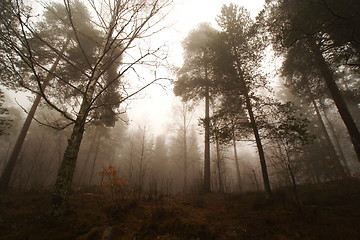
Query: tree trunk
{"points": [[142, 167], [258, 143], [337, 144], [219, 167], [9, 168], [207, 182], [36, 159], [336, 141], [59, 201], [255, 179], [254, 127], [333, 154], [87, 159], [336, 95], [236, 162], [293, 182], [95, 158], [185, 150]]}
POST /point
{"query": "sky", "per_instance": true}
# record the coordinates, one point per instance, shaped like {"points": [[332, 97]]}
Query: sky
{"points": [[154, 106]]}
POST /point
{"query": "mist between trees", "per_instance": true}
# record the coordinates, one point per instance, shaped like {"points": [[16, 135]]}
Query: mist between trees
{"points": [[82, 60]]}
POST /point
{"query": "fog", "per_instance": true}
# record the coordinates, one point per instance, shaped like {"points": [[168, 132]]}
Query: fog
{"points": [[164, 119]]}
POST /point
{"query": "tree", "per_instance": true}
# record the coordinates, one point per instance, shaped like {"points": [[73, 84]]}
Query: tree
{"points": [[243, 45], [83, 84], [319, 27], [288, 133], [159, 161], [303, 79], [183, 145], [44, 30], [217, 137], [194, 80], [232, 122], [5, 177]]}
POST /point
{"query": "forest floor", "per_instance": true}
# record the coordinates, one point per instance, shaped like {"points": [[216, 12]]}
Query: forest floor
{"points": [[328, 211]]}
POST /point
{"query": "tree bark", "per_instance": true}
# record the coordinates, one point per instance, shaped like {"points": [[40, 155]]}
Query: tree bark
{"points": [[9, 168], [59, 201], [336, 95]]}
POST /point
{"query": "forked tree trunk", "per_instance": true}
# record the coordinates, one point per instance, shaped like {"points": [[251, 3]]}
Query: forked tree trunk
{"points": [[336, 95]]}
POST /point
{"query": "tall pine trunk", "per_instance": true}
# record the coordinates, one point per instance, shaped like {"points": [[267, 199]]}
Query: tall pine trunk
{"points": [[9, 168], [255, 129], [336, 95], [253, 124], [207, 183]]}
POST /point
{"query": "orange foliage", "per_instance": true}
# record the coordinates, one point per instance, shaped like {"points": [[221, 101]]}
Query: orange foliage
{"points": [[111, 180]]}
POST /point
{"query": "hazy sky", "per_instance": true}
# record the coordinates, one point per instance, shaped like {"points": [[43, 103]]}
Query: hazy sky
{"points": [[155, 108]]}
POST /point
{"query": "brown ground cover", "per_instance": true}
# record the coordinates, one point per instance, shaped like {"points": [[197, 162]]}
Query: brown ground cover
{"points": [[328, 211]]}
